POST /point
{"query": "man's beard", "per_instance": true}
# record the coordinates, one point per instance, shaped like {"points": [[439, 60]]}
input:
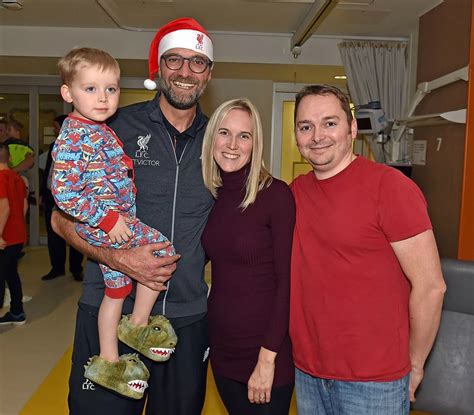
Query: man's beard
{"points": [[181, 102]]}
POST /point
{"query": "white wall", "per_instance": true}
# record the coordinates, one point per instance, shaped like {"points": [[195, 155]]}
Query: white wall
{"points": [[124, 44]]}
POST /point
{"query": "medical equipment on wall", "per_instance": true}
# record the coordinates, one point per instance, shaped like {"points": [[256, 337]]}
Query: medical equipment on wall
{"points": [[371, 122], [396, 133], [370, 118]]}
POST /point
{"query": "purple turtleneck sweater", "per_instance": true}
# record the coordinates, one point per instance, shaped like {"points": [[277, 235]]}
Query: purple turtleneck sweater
{"points": [[250, 251]]}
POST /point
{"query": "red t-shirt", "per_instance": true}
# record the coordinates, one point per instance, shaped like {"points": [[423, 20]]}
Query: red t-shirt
{"points": [[349, 297], [12, 187]]}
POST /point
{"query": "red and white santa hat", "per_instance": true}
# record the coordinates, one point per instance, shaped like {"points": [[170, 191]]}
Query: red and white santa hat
{"points": [[184, 32]]}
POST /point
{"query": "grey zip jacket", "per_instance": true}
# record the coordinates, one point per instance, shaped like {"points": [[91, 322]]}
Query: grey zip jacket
{"points": [[171, 197]]}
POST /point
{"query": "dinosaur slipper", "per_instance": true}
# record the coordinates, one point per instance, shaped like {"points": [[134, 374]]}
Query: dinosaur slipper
{"points": [[156, 341], [128, 376]]}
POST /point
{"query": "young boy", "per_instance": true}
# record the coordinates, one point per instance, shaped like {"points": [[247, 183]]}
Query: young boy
{"points": [[93, 182], [13, 206]]}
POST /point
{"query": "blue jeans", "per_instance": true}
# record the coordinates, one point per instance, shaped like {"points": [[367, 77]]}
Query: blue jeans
{"points": [[334, 397]]}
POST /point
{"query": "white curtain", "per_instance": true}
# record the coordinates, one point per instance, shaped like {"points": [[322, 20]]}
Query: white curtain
{"points": [[377, 71]]}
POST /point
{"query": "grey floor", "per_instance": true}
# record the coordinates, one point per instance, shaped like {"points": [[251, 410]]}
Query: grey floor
{"points": [[30, 351]]}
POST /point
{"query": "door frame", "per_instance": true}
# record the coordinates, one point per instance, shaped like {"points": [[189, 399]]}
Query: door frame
{"points": [[281, 92]]}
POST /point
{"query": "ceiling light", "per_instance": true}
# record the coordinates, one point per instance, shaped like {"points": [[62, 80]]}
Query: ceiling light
{"points": [[340, 77], [359, 3], [313, 18], [13, 5]]}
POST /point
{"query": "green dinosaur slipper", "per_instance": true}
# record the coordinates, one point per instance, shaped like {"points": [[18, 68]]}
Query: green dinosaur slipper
{"points": [[128, 376], [155, 341]]}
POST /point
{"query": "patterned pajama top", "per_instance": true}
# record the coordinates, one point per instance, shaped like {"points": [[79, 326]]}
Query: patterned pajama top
{"points": [[92, 181]]}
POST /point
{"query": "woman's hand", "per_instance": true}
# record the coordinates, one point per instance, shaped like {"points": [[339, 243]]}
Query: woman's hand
{"points": [[261, 380]]}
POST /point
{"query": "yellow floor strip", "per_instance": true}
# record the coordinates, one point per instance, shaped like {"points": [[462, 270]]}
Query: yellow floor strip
{"points": [[51, 396]]}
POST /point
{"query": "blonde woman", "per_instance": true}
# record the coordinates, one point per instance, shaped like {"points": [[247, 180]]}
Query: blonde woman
{"points": [[248, 239]]}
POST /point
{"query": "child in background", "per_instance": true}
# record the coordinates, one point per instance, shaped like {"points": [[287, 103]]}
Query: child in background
{"points": [[93, 182], [13, 206]]}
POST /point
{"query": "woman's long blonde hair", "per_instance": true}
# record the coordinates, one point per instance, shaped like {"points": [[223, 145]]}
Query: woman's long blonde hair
{"points": [[259, 177]]}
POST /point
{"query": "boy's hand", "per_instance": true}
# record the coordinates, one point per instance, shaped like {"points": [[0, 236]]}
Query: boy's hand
{"points": [[120, 232]]}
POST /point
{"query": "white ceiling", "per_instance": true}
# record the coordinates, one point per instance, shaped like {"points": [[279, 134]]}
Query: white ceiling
{"points": [[367, 18]]}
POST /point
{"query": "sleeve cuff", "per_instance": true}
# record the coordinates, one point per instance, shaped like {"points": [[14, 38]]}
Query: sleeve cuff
{"points": [[109, 221], [272, 346], [121, 292]]}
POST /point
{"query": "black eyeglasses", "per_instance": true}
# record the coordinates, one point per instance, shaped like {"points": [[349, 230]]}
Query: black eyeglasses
{"points": [[197, 64]]}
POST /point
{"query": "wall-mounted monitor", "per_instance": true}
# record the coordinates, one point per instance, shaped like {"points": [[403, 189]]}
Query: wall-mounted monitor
{"points": [[370, 121]]}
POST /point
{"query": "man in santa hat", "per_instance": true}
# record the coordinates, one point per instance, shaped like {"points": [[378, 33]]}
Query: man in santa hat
{"points": [[164, 139]]}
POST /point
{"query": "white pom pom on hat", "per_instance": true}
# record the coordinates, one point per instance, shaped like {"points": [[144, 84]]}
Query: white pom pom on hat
{"points": [[149, 84], [184, 32]]}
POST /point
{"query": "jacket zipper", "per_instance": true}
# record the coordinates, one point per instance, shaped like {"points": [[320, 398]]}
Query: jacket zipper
{"points": [[175, 195]]}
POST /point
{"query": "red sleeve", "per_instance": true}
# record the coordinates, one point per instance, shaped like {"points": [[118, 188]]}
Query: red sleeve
{"points": [[109, 221], [402, 207]]}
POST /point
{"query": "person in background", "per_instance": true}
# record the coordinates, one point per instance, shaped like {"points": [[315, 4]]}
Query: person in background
{"points": [[3, 137], [248, 239], [56, 244], [3, 130], [13, 205], [367, 286], [22, 156], [164, 138]]}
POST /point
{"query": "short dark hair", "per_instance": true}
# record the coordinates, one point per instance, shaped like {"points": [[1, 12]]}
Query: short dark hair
{"points": [[323, 89], [17, 125], [60, 119], [4, 153]]}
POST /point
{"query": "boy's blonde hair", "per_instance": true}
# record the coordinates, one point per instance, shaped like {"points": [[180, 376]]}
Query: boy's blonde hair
{"points": [[79, 58], [258, 177]]}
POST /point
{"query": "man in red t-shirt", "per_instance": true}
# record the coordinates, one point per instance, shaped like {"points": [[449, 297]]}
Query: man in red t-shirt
{"points": [[13, 207], [367, 287]]}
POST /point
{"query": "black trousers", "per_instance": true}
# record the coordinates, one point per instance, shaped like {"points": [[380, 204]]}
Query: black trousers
{"points": [[9, 275], [234, 397], [176, 387], [57, 245]]}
